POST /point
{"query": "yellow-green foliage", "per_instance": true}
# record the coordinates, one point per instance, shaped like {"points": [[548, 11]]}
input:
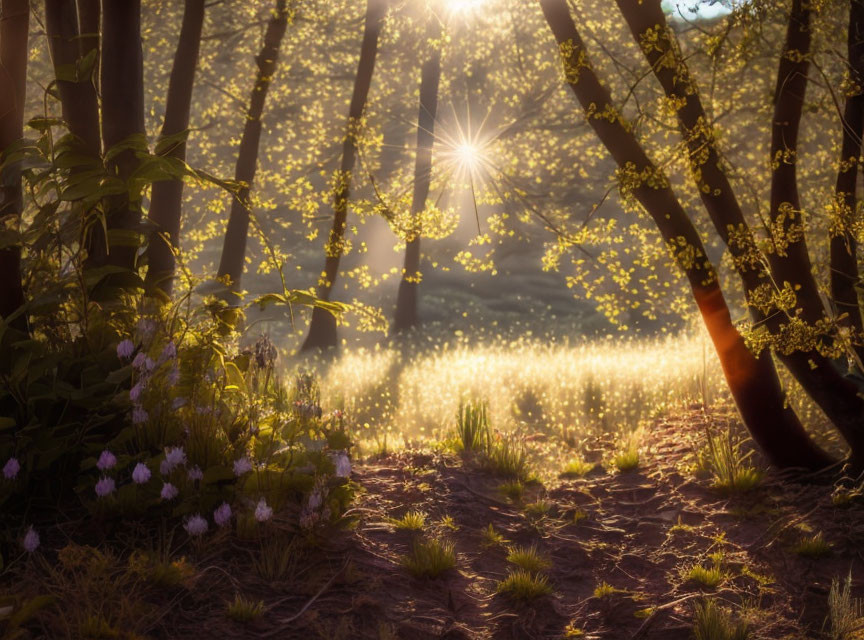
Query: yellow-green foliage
{"points": [[490, 537]]}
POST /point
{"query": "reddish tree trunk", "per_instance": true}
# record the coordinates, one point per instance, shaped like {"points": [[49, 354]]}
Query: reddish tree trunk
{"points": [[167, 196], [752, 381], [236, 234], [14, 29], [406, 303], [837, 397], [322, 328], [122, 117]]}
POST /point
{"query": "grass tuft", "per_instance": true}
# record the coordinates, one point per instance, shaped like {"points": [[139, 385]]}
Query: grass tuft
{"points": [[489, 537], [244, 610], [512, 490], [414, 520], [710, 577], [845, 613], [472, 426], [430, 558], [524, 586], [815, 546], [528, 558], [713, 622], [507, 457], [729, 466], [577, 468]]}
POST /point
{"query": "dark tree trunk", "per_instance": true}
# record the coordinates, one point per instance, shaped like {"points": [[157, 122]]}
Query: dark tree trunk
{"points": [[406, 304], [14, 29], [844, 261], [89, 21], [122, 117], [234, 245], [836, 396], [752, 381], [789, 258], [77, 91], [322, 328], [167, 196]]}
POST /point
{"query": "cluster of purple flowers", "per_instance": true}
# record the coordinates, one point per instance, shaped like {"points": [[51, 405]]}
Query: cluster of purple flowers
{"points": [[145, 367]]}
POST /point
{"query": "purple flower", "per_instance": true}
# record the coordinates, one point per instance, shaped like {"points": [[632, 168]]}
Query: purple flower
{"points": [[149, 364], [125, 349], [105, 486], [342, 464], [169, 491], [106, 461], [139, 415], [168, 352], [11, 468], [195, 474], [135, 392], [222, 514], [242, 466], [31, 540], [147, 326], [173, 377], [178, 402], [196, 525], [141, 473], [263, 512], [140, 359], [174, 456]]}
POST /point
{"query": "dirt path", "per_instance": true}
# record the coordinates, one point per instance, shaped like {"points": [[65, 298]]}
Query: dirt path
{"points": [[639, 533]]}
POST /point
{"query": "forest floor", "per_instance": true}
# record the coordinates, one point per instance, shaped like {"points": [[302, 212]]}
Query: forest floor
{"points": [[620, 548]]}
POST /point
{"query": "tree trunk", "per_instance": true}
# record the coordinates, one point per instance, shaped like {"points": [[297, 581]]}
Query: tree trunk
{"points": [[167, 195], [89, 20], [14, 29], [835, 395], [752, 381], [234, 245], [77, 91], [844, 261], [322, 328], [406, 303], [789, 258], [122, 117]]}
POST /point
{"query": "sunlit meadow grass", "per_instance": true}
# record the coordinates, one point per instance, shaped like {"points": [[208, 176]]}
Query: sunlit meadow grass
{"points": [[565, 389]]}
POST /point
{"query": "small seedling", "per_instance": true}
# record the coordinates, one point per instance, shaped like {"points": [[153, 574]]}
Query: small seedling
{"points": [[430, 558], [524, 586], [605, 590], [528, 558]]}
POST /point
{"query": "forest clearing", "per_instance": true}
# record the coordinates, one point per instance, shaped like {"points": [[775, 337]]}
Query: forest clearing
{"points": [[417, 319]]}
